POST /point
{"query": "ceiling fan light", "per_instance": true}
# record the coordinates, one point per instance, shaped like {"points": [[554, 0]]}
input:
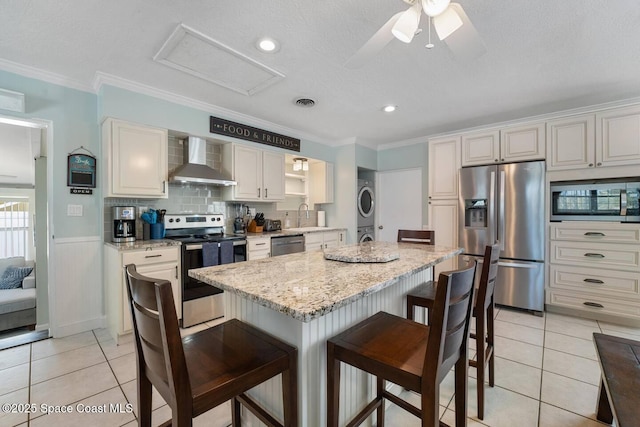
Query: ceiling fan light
{"points": [[446, 23], [435, 7], [407, 25]]}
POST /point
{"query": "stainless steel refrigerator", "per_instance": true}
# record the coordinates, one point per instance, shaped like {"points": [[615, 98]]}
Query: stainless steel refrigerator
{"points": [[505, 204]]}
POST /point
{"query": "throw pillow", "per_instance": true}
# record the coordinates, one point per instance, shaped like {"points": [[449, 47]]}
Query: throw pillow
{"points": [[12, 277]]}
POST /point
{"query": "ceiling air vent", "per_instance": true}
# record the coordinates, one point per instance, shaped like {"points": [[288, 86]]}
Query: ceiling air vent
{"points": [[305, 102]]}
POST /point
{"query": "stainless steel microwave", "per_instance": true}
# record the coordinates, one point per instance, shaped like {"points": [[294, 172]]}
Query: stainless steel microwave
{"points": [[613, 200]]}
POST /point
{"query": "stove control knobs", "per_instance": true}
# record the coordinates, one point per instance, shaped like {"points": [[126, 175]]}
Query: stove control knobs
{"points": [[177, 219], [218, 219], [170, 219]]}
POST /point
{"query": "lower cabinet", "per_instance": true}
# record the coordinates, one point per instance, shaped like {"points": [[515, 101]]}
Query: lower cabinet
{"points": [[323, 240], [258, 248], [443, 219], [158, 263], [595, 268]]}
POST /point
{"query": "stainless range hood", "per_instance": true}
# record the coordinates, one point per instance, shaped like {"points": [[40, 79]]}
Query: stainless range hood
{"points": [[195, 168]]}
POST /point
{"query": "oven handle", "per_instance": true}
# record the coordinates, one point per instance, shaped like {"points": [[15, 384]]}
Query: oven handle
{"points": [[196, 246]]}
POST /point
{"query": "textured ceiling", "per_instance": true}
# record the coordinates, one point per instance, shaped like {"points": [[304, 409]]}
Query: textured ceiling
{"points": [[542, 56]]}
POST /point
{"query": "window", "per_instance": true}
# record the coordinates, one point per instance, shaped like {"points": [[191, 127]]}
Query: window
{"points": [[15, 227]]}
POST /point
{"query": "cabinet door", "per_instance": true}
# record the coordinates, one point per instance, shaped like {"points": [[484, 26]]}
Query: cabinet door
{"points": [[522, 143], [443, 219], [138, 160], [444, 162], [331, 239], [247, 173], [481, 148], [313, 242], [320, 183], [272, 176], [571, 143], [618, 137]]}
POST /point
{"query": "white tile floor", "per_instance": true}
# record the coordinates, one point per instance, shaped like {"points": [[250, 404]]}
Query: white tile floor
{"points": [[547, 375]]}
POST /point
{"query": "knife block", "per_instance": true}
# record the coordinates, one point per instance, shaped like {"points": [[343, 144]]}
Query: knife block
{"points": [[254, 228]]}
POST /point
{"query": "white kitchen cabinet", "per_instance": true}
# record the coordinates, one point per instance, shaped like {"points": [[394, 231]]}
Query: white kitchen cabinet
{"points": [[158, 263], [136, 160], [607, 138], [512, 144], [321, 183], [443, 219], [571, 143], [258, 248], [594, 267], [481, 148], [618, 137], [323, 240], [522, 143], [444, 163], [260, 174]]}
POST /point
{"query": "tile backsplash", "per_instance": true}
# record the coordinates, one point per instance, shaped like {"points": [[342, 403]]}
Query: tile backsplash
{"points": [[196, 198]]}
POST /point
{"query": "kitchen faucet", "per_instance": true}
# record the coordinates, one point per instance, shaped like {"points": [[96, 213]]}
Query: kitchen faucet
{"points": [[301, 205]]}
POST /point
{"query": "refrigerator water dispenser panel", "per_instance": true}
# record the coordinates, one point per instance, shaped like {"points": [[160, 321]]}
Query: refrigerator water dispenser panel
{"points": [[475, 213]]}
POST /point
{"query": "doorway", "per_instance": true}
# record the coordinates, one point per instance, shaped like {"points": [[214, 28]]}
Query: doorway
{"points": [[24, 228]]}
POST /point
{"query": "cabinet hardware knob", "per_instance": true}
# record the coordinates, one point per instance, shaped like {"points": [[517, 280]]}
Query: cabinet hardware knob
{"points": [[495, 160], [593, 255], [593, 304], [594, 233], [502, 160], [590, 165], [380, 227], [599, 164], [596, 281]]}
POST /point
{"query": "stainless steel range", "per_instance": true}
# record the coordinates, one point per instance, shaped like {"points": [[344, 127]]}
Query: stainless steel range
{"points": [[202, 302]]}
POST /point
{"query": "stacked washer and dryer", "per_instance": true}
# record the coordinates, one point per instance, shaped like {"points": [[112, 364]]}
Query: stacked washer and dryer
{"points": [[366, 204]]}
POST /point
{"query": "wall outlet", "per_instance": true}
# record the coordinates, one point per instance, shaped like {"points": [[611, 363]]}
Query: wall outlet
{"points": [[141, 210], [74, 210]]}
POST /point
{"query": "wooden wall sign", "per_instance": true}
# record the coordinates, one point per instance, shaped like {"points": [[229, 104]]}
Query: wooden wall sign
{"points": [[81, 171], [249, 133]]}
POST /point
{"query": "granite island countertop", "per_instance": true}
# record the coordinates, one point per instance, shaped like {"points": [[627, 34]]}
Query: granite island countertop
{"points": [[306, 286]]}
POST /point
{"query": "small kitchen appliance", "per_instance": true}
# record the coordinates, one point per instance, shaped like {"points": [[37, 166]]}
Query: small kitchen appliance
{"points": [[124, 224], [272, 225], [202, 302]]}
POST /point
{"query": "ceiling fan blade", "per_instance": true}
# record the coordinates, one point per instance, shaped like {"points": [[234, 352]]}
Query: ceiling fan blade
{"points": [[375, 44], [465, 42], [447, 23]]}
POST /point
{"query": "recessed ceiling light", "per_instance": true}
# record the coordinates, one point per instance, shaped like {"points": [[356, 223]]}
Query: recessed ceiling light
{"points": [[389, 108], [268, 45]]}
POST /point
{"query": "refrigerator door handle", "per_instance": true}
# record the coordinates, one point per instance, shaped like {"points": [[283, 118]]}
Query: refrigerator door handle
{"points": [[492, 198], [501, 237]]}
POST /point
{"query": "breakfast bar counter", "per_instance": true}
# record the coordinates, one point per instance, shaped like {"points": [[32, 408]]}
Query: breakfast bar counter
{"points": [[304, 299]]}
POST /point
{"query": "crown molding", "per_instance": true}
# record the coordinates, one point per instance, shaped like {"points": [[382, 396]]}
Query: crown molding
{"points": [[111, 80], [47, 76]]}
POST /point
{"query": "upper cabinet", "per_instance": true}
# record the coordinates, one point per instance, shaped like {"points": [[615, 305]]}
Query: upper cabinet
{"points": [[136, 160], [618, 137], [320, 182], [571, 143], [444, 162], [259, 173], [609, 138], [513, 144]]}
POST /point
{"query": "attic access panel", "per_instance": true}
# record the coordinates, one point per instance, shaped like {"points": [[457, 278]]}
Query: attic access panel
{"points": [[194, 53]]}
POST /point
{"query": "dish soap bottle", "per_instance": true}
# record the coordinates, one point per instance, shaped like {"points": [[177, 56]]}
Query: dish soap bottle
{"points": [[287, 223]]}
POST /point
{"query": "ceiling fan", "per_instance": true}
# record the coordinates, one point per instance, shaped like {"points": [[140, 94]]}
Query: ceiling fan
{"points": [[451, 23]]}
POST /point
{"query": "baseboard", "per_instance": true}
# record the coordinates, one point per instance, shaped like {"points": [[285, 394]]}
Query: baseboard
{"points": [[79, 327]]}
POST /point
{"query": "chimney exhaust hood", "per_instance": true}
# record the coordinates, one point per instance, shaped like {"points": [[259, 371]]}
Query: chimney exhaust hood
{"points": [[195, 168]]}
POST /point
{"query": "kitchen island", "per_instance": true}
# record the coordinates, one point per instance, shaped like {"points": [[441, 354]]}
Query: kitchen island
{"points": [[304, 299]]}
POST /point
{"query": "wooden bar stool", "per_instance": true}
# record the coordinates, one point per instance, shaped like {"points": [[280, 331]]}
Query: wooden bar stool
{"points": [[425, 237], [483, 311], [200, 371], [414, 356]]}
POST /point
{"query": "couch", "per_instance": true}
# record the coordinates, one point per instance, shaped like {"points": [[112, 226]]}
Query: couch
{"points": [[18, 306]]}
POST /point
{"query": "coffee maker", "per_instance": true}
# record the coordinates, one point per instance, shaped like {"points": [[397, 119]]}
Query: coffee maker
{"points": [[124, 224]]}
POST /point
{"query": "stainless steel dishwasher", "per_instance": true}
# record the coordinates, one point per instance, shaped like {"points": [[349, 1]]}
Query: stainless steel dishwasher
{"points": [[288, 244]]}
